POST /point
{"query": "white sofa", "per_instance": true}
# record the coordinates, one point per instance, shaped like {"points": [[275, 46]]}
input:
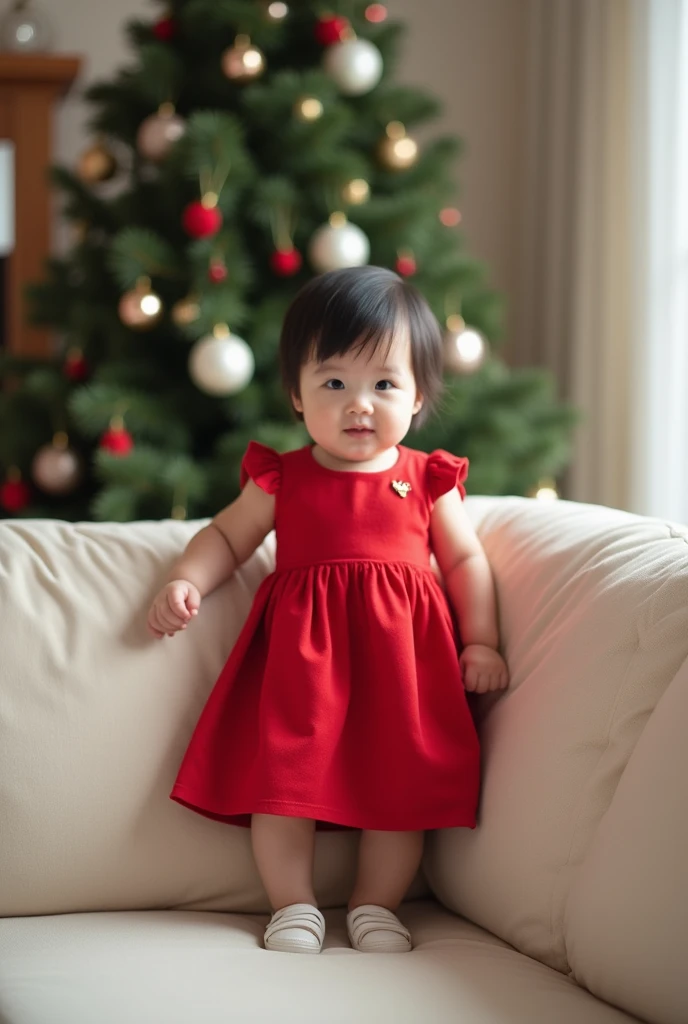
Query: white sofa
{"points": [[567, 905]]}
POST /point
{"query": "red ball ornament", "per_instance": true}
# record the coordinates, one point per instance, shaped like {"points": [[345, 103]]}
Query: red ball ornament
{"points": [[201, 221], [217, 272], [117, 441], [331, 29], [14, 495], [165, 29], [286, 262], [406, 265], [75, 367]]}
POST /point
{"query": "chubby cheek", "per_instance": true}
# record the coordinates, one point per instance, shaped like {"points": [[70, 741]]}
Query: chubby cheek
{"points": [[315, 407]]}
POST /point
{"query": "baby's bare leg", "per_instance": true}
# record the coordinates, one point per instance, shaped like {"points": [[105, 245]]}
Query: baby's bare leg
{"points": [[387, 864], [284, 849]]}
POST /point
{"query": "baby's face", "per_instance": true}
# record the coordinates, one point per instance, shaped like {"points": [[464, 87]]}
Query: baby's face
{"points": [[356, 406]]}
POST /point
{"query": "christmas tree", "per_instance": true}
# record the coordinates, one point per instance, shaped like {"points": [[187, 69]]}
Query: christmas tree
{"points": [[250, 145]]}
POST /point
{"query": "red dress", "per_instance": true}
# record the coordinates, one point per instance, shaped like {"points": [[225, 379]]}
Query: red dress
{"points": [[342, 699]]}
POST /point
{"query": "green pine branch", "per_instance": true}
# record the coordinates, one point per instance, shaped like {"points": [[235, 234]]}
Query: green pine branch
{"points": [[138, 252]]}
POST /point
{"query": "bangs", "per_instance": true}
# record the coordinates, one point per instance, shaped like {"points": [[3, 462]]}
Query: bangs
{"points": [[355, 319], [337, 343]]}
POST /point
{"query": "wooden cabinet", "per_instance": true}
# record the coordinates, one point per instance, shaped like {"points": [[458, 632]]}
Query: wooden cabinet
{"points": [[30, 85]]}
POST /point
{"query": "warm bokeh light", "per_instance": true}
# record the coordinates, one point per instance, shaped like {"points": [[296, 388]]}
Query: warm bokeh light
{"points": [[376, 12], [150, 304], [356, 191], [546, 490], [470, 347], [450, 216]]}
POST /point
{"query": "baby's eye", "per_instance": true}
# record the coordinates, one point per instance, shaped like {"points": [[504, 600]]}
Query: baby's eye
{"points": [[334, 384], [384, 385]]}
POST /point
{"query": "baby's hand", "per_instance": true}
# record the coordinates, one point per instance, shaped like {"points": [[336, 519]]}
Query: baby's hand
{"points": [[173, 608], [483, 669]]}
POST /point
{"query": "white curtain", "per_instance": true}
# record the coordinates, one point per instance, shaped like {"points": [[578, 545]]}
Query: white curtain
{"points": [[605, 267], [574, 311], [659, 478]]}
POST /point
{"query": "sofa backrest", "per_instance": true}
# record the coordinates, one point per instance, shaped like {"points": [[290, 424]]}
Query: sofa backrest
{"points": [[95, 716], [594, 606]]}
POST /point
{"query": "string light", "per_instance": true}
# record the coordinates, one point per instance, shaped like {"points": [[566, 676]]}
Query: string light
{"points": [[356, 191], [309, 109], [278, 10], [546, 490]]}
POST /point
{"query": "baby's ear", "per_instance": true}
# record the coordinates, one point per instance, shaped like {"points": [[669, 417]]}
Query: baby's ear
{"points": [[418, 404], [296, 402]]}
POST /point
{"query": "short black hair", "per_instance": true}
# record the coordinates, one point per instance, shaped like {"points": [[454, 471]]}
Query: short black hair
{"points": [[354, 308]]}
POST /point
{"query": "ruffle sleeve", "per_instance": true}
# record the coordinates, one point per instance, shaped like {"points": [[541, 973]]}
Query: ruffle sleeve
{"points": [[445, 471], [263, 465]]}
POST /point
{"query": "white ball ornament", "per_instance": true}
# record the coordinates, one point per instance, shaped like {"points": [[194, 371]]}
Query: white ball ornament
{"points": [[159, 132], [355, 66], [338, 244], [221, 363]]}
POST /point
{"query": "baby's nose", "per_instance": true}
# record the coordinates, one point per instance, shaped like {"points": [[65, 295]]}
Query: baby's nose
{"points": [[361, 402]]}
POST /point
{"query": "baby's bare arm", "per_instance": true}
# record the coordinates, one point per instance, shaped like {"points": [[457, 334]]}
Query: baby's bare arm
{"points": [[470, 587], [210, 558], [466, 571], [213, 554]]}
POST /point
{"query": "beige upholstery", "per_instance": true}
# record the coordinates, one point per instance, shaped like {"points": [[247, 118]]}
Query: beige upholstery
{"points": [[595, 625], [95, 717], [579, 861], [627, 912], [193, 968]]}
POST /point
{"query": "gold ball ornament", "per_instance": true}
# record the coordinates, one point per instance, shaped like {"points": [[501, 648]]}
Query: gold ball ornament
{"points": [[96, 164], [56, 469], [158, 133], [185, 311], [397, 150], [140, 308], [465, 348], [243, 62], [356, 191]]}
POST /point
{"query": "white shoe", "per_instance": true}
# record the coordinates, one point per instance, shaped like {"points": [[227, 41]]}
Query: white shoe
{"points": [[377, 930], [299, 928]]}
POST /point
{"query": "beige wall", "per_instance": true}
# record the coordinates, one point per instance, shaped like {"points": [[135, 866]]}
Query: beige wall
{"points": [[470, 54]]}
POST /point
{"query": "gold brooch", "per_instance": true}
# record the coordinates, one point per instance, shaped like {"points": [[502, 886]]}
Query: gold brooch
{"points": [[401, 487]]}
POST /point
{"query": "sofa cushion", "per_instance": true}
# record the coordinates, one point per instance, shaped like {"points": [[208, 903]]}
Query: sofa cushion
{"points": [[95, 716], [627, 912], [199, 968], [594, 617]]}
